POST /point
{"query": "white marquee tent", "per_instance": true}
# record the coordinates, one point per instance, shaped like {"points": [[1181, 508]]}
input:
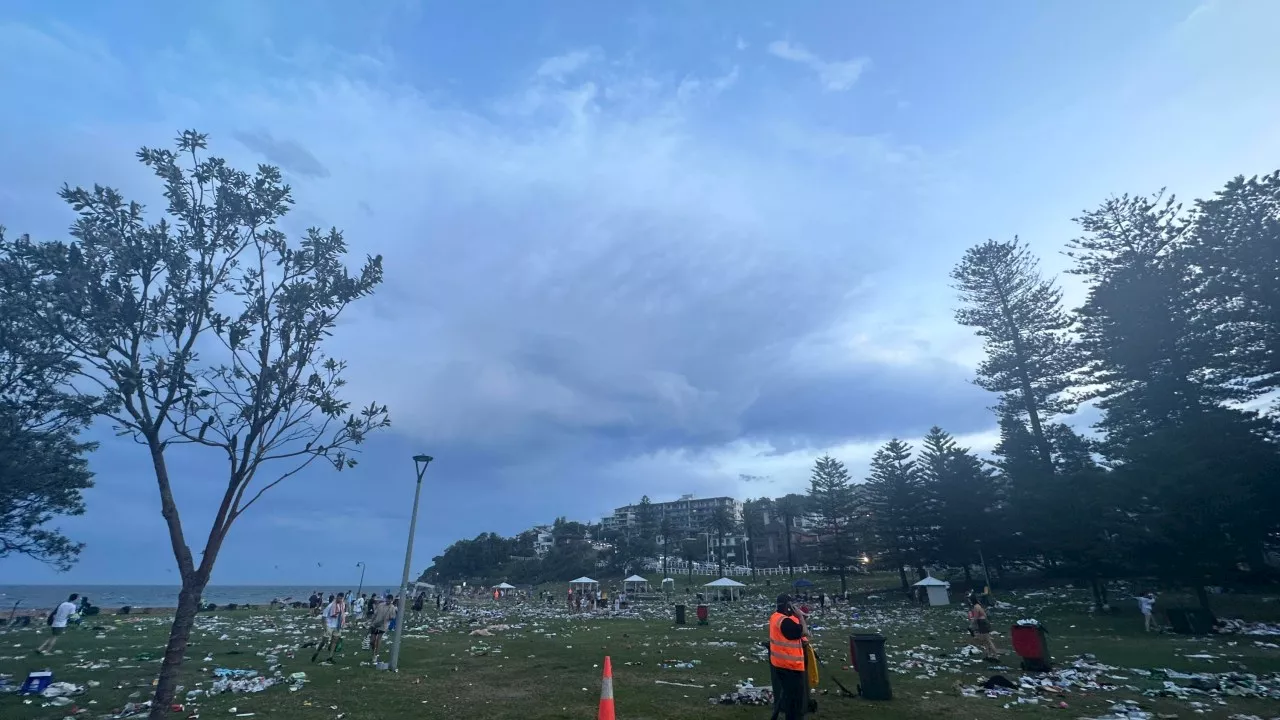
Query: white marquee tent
{"points": [[936, 590], [584, 584], [635, 584], [726, 589]]}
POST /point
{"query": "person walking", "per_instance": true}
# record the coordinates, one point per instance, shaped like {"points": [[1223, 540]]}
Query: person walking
{"points": [[58, 620], [334, 614], [788, 633], [378, 626], [982, 629]]}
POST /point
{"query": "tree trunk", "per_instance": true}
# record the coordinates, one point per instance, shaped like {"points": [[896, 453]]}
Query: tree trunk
{"points": [[902, 575], [1098, 599], [844, 587], [175, 651], [791, 565], [968, 577], [1202, 594]]}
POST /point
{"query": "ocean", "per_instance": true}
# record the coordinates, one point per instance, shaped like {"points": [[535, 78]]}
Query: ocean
{"points": [[158, 596]]}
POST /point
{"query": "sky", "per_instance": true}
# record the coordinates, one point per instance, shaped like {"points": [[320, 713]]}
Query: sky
{"points": [[630, 248]]}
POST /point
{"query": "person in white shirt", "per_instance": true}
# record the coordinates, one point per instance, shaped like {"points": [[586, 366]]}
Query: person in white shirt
{"points": [[1147, 603], [58, 623], [357, 607], [335, 616]]}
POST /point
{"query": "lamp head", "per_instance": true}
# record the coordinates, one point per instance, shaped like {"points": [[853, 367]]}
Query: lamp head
{"points": [[424, 459]]}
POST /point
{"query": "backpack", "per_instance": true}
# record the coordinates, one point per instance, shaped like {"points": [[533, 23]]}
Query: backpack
{"points": [[49, 620]]}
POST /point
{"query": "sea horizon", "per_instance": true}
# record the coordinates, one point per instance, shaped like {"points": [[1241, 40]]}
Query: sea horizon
{"points": [[112, 596]]}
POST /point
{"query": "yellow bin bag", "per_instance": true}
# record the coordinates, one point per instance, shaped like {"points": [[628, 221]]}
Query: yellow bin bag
{"points": [[811, 665]]}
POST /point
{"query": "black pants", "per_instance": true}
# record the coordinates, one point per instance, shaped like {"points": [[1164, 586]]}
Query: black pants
{"points": [[790, 693]]}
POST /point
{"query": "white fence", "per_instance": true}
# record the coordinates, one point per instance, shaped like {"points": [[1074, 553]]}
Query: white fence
{"points": [[675, 567]]}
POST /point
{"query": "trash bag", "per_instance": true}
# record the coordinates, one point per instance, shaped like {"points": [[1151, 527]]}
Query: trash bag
{"points": [[811, 665]]}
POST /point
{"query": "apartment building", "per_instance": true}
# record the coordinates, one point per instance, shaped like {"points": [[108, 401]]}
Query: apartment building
{"points": [[688, 515]]}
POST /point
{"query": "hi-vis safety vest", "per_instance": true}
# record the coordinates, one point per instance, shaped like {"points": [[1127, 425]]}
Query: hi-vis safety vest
{"points": [[784, 653]]}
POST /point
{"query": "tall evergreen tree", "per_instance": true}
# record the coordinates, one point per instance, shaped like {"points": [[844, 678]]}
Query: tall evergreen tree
{"points": [[1144, 330], [895, 500], [723, 524], [753, 512], [666, 530], [646, 518], [790, 509], [831, 498], [1235, 252], [1019, 315], [960, 500], [43, 464]]}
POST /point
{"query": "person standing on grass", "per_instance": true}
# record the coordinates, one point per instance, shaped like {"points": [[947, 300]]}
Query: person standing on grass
{"points": [[1146, 604], [58, 623], [382, 614], [334, 614], [788, 633], [357, 607], [982, 630]]}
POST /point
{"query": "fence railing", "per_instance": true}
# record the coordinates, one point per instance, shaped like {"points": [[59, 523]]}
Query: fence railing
{"points": [[710, 568]]}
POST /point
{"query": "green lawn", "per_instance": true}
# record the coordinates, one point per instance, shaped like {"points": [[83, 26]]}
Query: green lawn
{"points": [[549, 666]]}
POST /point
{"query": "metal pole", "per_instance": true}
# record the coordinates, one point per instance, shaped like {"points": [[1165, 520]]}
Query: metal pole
{"points": [[404, 579], [363, 567]]}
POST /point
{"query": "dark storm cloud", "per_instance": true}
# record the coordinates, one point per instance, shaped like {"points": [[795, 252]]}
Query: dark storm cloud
{"points": [[288, 154]]}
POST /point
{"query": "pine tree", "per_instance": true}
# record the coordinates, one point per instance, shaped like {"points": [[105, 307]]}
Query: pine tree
{"points": [[646, 518], [723, 523], [1021, 485], [831, 498], [790, 508], [1145, 331], [1019, 315], [895, 500], [1235, 252], [753, 512], [960, 500]]}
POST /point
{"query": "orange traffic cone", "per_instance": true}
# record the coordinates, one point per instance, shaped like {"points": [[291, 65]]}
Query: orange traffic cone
{"points": [[606, 692]]}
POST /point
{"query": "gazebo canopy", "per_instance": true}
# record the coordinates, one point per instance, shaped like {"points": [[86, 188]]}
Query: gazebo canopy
{"points": [[726, 589], [635, 578], [584, 580], [724, 582], [931, 581], [668, 580], [504, 586]]}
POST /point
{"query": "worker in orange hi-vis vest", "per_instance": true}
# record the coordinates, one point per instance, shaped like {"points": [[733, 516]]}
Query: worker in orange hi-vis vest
{"points": [[788, 634]]}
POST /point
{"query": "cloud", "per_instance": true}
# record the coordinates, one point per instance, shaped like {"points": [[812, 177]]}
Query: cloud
{"points": [[583, 273], [561, 66], [835, 76], [287, 154], [610, 273]]}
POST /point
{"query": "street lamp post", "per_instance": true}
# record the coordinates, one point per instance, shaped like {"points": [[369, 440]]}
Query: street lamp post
{"points": [[420, 462], [362, 567]]}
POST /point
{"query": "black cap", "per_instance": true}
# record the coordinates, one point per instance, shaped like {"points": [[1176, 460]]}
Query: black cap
{"points": [[784, 600]]}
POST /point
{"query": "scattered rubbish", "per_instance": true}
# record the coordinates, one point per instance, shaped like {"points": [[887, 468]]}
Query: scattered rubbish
{"points": [[676, 684], [745, 694]]}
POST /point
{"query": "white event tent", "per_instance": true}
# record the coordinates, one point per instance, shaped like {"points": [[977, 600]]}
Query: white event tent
{"points": [[726, 589]]}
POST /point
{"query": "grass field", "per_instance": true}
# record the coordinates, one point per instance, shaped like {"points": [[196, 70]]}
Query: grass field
{"points": [[548, 665]]}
